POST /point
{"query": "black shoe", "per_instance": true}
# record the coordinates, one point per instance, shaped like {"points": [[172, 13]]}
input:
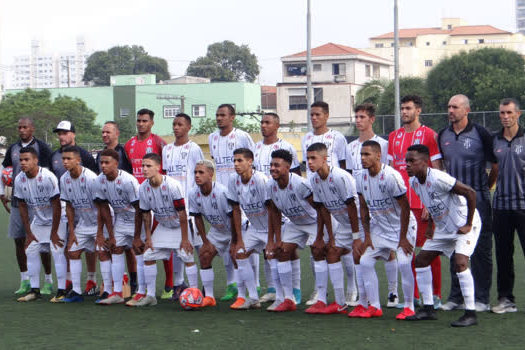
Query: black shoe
{"points": [[177, 291], [426, 313], [468, 319]]}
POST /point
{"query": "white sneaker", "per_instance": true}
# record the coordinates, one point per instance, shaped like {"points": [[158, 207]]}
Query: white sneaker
{"points": [[450, 305], [313, 298], [266, 298], [392, 300], [113, 298], [274, 305], [148, 300], [504, 305], [351, 299], [250, 304], [482, 307]]}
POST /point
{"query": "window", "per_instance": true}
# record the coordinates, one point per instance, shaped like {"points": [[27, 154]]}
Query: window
{"points": [[379, 46], [392, 44], [318, 94], [317, 67], [444, 42], [449, 26], [124, 112], [295, 69], [198, 110], [297, 102], [481, 41], [410, 43], [428, 63], [367, 70], [338, 69], [171, 111], [297, 98], [465, 41], [427, 43], [376, 71]]}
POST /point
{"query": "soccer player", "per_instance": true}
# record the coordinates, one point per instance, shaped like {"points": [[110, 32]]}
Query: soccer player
{"points": [[15, 228], [210, 199], [291, 195], [119, 189], [467, 148], [178, 161], [335, 143], [36, 189], [334, 192], [164, 196], [389, 225], [136, 148], [222, 144], [457, 227], [414, 133]]}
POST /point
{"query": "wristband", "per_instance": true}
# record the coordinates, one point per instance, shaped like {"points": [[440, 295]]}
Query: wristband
{"points": [[356, 235]]}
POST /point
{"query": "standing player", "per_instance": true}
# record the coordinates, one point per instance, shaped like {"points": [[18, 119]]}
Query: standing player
{"points": [[163, 195], [136, 148], [389, 225], [334, 193], [36, 189], [15, 229], [413, 133], [178, 161], [457, 230], [222, 144]]}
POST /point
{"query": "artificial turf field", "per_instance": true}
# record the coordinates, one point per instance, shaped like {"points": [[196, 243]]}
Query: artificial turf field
{"points": [[42, 325]]}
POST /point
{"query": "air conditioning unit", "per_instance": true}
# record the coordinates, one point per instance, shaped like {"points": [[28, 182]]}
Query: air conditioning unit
{"points": [[339, 78]]}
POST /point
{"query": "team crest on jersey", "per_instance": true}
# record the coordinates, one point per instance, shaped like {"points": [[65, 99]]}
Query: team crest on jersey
{"points": [[119, 191], [275, 146], [68, 181], [119, 182], [399, 135], [258, 146], [274, 187], [149, 142], [308, 137], [149, 150], [333, 189], [214, 205], [329, 136], [23, 179], [429, 184], [316, 180], [147, 189], [293, 197], [518, 149], [186, 146], [170, 147], [382, 188], [382, 178], [432, 195], [183, 155], [231, 145], [163, 188], [365, 177], [40, 179], [467, 143], [419, 133], [165, 198], [253, 192], [366, 188]]}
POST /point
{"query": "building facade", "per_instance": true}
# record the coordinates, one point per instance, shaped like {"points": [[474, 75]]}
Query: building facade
{"points": [[520, 16]]}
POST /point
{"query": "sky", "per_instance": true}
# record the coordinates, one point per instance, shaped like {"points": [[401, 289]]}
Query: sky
{"points": [[180, 30]]}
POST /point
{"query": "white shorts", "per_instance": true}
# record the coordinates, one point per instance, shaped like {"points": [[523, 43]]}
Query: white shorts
{"points": [[255, 240], [220, 242], [85, 242], [165, 253], [459, 244], [343, 236], [37, 248], [383, 247], [195, 238], [302, 235], [43, 235], [124, 237]]}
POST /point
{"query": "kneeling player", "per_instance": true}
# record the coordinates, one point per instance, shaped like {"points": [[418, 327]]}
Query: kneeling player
{"points": [[389, 225], [163, 195], [457, 230]]}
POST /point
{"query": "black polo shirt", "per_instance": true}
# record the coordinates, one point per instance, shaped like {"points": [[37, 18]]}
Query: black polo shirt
{"points": [[123, 163]]}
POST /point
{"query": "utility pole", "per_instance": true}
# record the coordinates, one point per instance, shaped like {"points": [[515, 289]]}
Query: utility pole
{"points": [[68, 74], [397, 120], [309, 95]]}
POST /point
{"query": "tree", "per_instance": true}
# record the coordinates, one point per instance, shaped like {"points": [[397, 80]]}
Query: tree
{"points": [[225, 61], [371, 92], [209, 125], [122, 60], [46, 114], [407, 86]]}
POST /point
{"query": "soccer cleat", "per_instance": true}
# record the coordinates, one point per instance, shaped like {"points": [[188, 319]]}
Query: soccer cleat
{"points": [[231, 292], [468, 319], [177, 290], [237, 303], [393, 300], [250, 304], [274, 305], [351, 299], [357, 311], [407, 312], [437, 302], [136, 298], [316, 308], [113, 298], [91, 289], [297, 296], [286, 305], [59, 297], [482, 307], [101, 297], [167, 293], [334, 308], [34, 294], [313, 298], [73, 297], [25, 287], [209, 301], [268, 297], [426, 313], [372, 312], [47, 289], [147, 300], [504, 305]]}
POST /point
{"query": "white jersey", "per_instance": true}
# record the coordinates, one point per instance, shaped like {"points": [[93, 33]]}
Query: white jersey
{"points": [[37, 193], [335, 192], [121, 193], [380, 193], [353, 153], [162, 200], [221, 150], [252, 198], [291, 200], [335, 143], [80, 193], [214, 207], [263, 155], [179, 163]]}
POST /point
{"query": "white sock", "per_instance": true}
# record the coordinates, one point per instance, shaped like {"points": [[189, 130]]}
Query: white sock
{"points": [[117, 271], [60, 268], [24, 276], [254, 261], [68, 275], [92, 276], [312, 266], [105, 271], [363, 300], [48, 277], [424, 283], [207, 278], [338, 281], [178, 271], [391, 275], [246, 274], [321, 279], [407, 282], [285, 276], [296, 273], [279, 293], [141, 282], [193, 278], [150, 276], [370, 280], [348, 262], [466, 283], [241, 288], [33, 269], [268, 274], [228, 266], [75, 265]]}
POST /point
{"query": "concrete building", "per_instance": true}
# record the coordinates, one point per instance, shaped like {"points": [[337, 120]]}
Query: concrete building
{"points": [[520, 16], [423, 48], [338, 72], [269, 98]]}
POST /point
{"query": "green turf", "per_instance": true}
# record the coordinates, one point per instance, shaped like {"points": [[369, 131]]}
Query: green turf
{"points": [[42, 325]]}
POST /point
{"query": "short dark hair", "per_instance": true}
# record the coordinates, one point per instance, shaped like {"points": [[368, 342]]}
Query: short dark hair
{"points": [[418, 102], [422, 149], [369, 108], [507, 101], [322, 105], [372, 144], [153, 156], [317, 147], [112, 122], [274, 115], [108, 152], [146, 111], [283, 154], [245, 152], [27, 119], [231, 109], [185, 116], [72, 149], [29, 150]]}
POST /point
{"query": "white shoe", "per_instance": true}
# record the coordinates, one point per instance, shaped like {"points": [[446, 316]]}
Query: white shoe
{"points": [[113, 298], [392, 300], [450, 305], [274, 305], [250, 304], [351, 299], [504, 305], [148, 300], [482, 307], [266, 298], [313, 298]]}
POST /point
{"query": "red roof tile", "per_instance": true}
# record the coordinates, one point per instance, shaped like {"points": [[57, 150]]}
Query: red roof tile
{"points": [[267, 89], [332, 49], [477, 30], [459, 30]]}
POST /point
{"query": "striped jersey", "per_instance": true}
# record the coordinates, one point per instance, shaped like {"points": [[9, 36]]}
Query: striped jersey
{"points": [[215, 207], [263, 155], [335, 143], [179, 163], [353, 153]]}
